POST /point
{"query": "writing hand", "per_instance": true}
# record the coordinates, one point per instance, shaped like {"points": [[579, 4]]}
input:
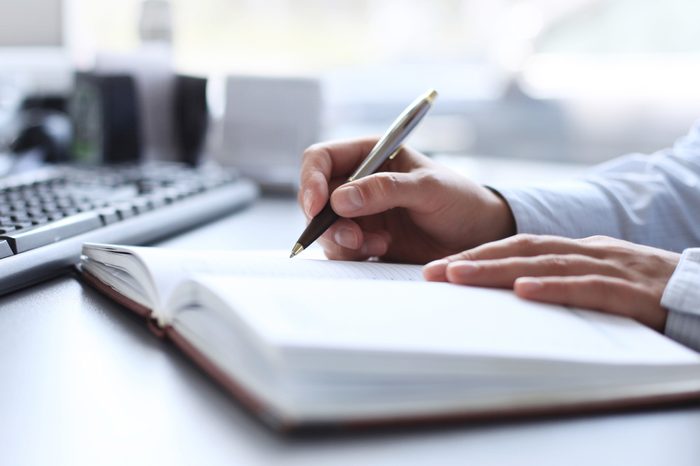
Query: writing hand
{"points": [[600, 273], [414, 210]]}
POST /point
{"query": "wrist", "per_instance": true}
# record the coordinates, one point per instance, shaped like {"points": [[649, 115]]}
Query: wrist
{"points": [[501, 222]]}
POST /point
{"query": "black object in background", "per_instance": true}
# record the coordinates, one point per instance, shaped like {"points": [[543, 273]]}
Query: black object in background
{"points": [[191, 117], [106, 114], [104, 110], [53, 102], [47, 131]]}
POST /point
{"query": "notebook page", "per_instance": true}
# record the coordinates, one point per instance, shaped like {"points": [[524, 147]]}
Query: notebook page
{"points": [[168, 267], [348, 319]]}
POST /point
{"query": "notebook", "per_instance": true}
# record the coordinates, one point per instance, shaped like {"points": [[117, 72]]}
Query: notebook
{"points": [[305, 343]]}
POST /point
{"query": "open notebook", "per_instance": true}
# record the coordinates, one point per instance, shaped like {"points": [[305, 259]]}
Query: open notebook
{"points": [[309, 342]]}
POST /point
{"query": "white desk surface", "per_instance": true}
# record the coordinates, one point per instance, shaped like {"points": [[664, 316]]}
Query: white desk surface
{"points": [[83, 382]]}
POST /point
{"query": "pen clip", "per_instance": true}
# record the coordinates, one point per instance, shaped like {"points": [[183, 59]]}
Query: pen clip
{"points": [[395, 153]]}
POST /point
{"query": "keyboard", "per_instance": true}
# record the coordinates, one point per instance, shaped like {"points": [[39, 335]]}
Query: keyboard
{"points": [[46, 215]]}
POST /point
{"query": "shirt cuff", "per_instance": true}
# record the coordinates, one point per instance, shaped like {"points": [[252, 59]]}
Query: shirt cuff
{"points": [[682, 299], [574, 209]]}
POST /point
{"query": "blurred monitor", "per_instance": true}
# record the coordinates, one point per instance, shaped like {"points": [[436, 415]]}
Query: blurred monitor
{"points": [[33, 51]]}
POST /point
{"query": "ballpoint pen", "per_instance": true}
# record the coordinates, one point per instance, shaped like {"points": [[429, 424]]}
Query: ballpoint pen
{"points": [[386, 148]]}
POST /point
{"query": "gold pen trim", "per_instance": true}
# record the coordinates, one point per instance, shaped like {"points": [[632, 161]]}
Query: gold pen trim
{"points": [[395, 153], [296, 250]]}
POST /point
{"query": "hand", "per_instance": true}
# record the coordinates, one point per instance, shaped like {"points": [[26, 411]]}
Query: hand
{"points": [[414, 211], [600, 273]]}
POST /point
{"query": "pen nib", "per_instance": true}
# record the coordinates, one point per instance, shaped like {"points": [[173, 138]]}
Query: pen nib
{"points": [[296, 250]]}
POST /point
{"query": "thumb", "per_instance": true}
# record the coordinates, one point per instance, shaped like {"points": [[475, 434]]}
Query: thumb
{"points": [[380, 192]]}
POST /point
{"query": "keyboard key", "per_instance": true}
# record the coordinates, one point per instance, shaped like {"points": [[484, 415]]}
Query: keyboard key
{"points": [[141, 205], [108, 215], [5, 250], [23, 217], [37, 220], [156, 200], [125, 211], [70, 211], [25, 240]]}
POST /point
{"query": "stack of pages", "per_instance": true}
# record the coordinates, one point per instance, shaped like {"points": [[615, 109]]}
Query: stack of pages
{"points": [[316, 342]]}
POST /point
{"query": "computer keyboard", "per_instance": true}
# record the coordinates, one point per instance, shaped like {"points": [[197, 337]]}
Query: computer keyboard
{"points": [[46, 215]]}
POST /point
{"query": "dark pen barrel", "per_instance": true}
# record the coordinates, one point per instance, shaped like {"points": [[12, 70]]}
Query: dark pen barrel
{"points": [[319, 224]]}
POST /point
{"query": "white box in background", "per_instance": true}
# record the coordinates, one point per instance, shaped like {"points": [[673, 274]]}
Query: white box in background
{"points": [[268, 122]]}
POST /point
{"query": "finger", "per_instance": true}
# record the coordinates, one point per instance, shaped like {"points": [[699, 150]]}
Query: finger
{"points": [[321, 162], [373, 245], [608, 294], [346, 240], [313, 195], [383, 191], [304, 200], [336, 158], [503, 272], [344, 233], [523, 245]]}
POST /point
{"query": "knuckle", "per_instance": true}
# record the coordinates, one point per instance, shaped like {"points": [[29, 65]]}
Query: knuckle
{"points": [[428, 180], [555, 262], [598, 285], [386, 184], [313, 149], [596, 239], [315, 156], [524, 240], [553, 284], [462, 256]]}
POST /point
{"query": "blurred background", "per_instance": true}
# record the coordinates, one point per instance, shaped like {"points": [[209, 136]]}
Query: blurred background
{"points": [[558, 80]]}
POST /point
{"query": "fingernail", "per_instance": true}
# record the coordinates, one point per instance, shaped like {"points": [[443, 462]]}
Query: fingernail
{"points": [[346, 238], [462, 269], [307, 202], [348, 198], [529, 285]]}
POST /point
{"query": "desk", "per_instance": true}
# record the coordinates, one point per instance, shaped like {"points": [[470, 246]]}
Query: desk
{"points": [[84, 382]]}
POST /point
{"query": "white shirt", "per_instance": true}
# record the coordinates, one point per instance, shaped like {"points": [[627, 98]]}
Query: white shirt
{"points": [[647, 199]]}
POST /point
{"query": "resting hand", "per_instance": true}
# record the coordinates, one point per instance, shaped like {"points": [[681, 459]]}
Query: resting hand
{"points": [[598, 273], [414, 210]]}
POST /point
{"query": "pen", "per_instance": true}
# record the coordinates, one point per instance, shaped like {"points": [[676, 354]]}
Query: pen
{"points": [[386, 148]]}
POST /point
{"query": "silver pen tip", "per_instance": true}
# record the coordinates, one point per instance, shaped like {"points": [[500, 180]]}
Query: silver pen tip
{"points": [[296, 250]]}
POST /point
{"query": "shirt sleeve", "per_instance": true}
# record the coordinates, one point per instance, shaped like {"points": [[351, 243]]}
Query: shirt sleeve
{"points": [[682, 299], [647, 199]]}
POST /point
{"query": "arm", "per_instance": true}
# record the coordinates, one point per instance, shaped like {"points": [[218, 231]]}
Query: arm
{"points": [[652, 200]]}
